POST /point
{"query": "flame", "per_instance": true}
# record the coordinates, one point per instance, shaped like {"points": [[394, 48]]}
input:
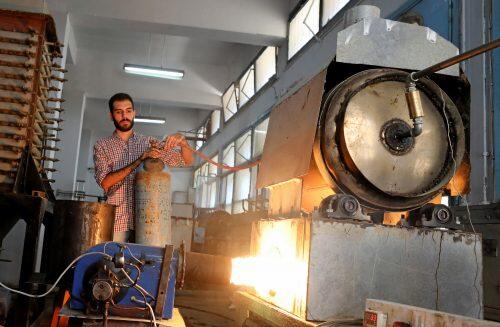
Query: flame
{"points": [[276, 272]]}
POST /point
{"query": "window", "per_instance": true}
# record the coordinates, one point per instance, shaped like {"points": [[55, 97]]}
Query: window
{"points": [[265, 67], [214, 122], [246, 88], [243, 148], [201, 133], [241, 191], [259, 137], [227, 192], [330, 8], [229, 103], [303, 26], [228, 155], [205, 181]]}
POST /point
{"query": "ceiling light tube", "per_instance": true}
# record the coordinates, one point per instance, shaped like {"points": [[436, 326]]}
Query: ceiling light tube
{"points": [[149, 120], [153, 71]]}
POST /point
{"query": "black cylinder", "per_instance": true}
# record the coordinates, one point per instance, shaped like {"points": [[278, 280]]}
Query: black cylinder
{"points": [[78, 226]]}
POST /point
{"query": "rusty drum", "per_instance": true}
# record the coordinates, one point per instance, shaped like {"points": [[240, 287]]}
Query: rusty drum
{"points": [[153, 204], [78, 226]]}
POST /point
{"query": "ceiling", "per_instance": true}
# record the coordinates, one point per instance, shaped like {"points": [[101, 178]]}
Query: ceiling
{"points": [[213, 41]]}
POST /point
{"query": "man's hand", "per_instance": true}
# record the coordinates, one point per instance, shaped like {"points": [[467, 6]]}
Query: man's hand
{"points": [[151, 153], [175, 140]]}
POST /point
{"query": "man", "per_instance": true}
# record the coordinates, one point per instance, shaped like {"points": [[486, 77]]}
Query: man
{"points": [[117, 157]]}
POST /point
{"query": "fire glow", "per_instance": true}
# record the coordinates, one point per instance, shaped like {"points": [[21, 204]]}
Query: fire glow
{"points": [[276, 272]]}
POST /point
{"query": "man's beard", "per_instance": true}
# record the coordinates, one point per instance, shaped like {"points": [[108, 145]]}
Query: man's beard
{"points": [[121, 128]]}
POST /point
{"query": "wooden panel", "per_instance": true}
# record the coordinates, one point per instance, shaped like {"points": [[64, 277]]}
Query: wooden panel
{"points": [[290, 136]]}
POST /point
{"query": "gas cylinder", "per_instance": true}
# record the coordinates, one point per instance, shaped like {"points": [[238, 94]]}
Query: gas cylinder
{"points": [[153, 204]]}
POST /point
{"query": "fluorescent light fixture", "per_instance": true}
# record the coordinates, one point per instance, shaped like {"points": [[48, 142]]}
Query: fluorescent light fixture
{"points": [[153, 71], [149, 120]]}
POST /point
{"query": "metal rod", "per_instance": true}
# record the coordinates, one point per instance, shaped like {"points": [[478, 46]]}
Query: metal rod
{"points": [[15, 88], [17, 53], [24, 65], [8, 111], [21, 77], [13, 40], [455, 60], [13, 100]]}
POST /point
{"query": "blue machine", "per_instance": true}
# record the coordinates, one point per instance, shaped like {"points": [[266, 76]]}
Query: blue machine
{"points": [[100, 284]]}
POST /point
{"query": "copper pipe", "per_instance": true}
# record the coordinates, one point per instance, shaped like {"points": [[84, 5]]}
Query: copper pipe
{"points": [[13, 137], [52, 139], [54, 120], [455, 60]]}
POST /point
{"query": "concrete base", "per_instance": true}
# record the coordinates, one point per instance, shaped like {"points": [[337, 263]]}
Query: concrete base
{"points": [[349, 262]]}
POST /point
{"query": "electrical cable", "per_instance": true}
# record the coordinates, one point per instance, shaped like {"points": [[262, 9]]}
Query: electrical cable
{"points": [[464, 198], [58, 279], [134, 299], [124, 246], [138, 286]]}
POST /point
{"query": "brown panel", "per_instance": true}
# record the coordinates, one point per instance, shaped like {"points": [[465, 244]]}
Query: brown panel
{"points": [[290, 136]]}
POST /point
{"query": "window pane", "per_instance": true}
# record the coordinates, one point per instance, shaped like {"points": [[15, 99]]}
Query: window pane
{"points": [[265, 67], [303, 27], [228, 198], [246, 86], [259, 137], [331, 8], [214, 122], [241, 190], [201, 134], [229, 103], [228, 155], [212, 189], [243, 148], [212, 169]]}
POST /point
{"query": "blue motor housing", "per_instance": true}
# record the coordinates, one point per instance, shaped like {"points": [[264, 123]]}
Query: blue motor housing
{"points": [[90, 269]]}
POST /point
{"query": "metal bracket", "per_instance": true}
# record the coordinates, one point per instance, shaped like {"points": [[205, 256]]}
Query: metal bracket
{"points": [[164, 278]]}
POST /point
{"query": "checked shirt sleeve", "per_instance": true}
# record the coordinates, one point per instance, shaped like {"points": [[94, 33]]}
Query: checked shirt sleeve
{"points": [[101, 163], [173, 158]]}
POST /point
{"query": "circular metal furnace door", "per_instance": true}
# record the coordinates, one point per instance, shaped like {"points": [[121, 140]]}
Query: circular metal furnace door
{"points": [[361, 145]]}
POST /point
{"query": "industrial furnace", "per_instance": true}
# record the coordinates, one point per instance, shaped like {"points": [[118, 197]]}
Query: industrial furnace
{"points": [[366, 142]]}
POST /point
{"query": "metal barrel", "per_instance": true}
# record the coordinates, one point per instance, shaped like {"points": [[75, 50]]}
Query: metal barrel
{"points": [[153, 204], [78, 226]]}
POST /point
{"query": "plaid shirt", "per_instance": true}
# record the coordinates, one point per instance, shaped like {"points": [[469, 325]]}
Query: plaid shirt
{"points": [[111, 154]]}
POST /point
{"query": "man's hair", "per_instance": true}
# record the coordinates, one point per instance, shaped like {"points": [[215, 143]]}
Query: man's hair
{"points": [[119, 97]]}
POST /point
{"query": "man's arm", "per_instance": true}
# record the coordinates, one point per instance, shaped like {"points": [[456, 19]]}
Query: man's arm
{"points": [[119, 175], [179, 140]]}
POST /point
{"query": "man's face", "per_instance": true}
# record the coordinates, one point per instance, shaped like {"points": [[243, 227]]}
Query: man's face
{"points": [[123, 115]]}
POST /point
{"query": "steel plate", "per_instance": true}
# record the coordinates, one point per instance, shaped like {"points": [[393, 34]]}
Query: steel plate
{"points": [[404, 175]]}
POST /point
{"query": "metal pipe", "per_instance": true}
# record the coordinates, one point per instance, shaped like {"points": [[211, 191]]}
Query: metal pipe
{"points": [[415, 76]]}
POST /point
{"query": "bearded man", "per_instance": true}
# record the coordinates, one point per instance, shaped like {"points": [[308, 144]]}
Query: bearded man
{"points": [[117, 157]]}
